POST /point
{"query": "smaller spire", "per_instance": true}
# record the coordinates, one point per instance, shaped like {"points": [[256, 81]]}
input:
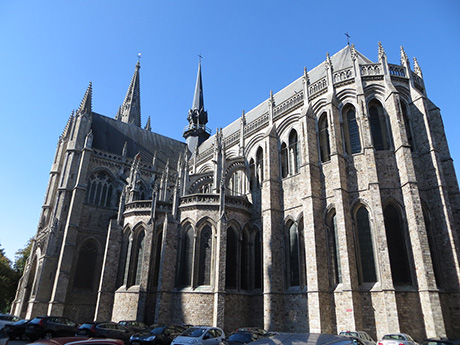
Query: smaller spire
{"points": [[130, 111], [305, 73], [381, 50], [148, 127], [86, 103], [417, 69], [328, 61], [404, 58], [354, 54]]}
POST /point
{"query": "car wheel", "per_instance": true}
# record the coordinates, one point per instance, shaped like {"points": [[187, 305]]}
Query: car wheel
{"points": [[48, 335]]}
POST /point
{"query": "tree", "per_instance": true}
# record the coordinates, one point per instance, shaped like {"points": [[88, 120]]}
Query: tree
{"points": [[9, 278], [21, 257]]}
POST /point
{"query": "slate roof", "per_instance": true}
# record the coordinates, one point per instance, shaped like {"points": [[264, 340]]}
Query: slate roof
{"points": [[340, 60], [110, 135]]}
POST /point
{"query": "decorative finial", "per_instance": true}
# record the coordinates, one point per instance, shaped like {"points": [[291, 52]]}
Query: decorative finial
{"points": [[417, 68], [353, 52], [381, 50], [403, 56], [139, 58], [328, 61], [305, 73]]}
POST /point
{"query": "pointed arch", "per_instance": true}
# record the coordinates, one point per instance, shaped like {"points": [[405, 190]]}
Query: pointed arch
{"points": [[259, 168], [100, 190], [397, 246], [232, 259], [323, 134], [407, 125], [335, 270], [186, 252], [205, 251], [85, 269], [351, 130], [294, 154], [294, 252], [365, 247], [379, 126]]}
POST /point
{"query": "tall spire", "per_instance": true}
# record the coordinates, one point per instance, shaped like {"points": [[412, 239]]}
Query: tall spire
{"points": [[130, 111], [86, 103], [197, 132]]}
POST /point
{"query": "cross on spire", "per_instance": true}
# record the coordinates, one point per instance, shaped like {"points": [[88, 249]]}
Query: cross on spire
{"points": [[139, 57], [199, 55], [348, 38]]}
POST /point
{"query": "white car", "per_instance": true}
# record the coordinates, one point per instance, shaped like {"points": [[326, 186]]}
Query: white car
{"points": [[200, 336], [397, 339]]}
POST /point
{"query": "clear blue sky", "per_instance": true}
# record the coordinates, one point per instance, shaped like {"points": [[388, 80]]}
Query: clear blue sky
{"points": [[51, 50]]}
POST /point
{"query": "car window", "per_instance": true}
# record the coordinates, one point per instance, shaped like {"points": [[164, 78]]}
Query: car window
{"points": [[194, 332], [393, 337], [218, 332]]}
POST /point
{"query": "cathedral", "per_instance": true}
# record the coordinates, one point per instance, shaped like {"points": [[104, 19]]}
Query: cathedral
{"points": [[332, 205]]}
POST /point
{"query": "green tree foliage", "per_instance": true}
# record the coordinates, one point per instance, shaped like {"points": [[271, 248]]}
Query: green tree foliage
{"points": [[21, 257], [9, 278]]}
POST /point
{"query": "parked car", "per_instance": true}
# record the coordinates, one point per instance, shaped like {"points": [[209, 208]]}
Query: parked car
{"points": [[200, 336], [79, 341], [157, 334], [3, 338], [308, 339], [136, 326], [16, 329], [359, 334], [6, 319], [49, 327], [105, 330], [243, 337], [397, 339]]}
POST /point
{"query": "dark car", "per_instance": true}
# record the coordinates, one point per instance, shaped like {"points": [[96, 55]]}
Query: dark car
{"points": [[105, 330], [308, 339], [49, 327], [243, 337], [157, 334], [16, 329], [136, 326], [441, 342]]}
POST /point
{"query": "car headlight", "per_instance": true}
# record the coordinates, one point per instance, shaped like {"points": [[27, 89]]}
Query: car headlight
{"points": [[151, 338]]}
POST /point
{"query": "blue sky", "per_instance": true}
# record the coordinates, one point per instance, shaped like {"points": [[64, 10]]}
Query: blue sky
{"points": [[51, 50]]}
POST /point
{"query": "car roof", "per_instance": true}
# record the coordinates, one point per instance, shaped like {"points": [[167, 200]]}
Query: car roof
{"points": [[95, 341], [303, 339]]}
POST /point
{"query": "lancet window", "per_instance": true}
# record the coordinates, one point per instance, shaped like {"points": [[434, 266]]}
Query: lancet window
{"points": [[295, 254], [324, 145], [407, 126], [397, 247], [366, 258], [333, 249], [85, 271], [379, 127], [237, 183], [351, 130], [290, 156]]}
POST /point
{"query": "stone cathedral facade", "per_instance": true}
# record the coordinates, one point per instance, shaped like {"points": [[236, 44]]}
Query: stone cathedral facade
{"points": [[331, 205]]}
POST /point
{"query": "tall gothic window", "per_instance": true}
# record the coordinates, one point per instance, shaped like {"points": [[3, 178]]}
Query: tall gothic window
{"points": [[407, 126], [366, 259], [237, 183], [186, 258], [140, 244], [351, 130], [252, 174], [99, 189], [85, 271], [284, 160], [397, 247], [379, 128], [333, 249], [259, 167], [294, 254], [157, 257], [294, 156], [205, 256], [231, 272], [244, 275], [324, 145], [435, 259]]}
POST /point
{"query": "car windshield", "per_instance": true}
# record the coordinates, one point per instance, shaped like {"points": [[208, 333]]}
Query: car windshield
{"points": [[194, 332], [36, 320], [86, 325], [20, 322], [393, 337], [351, 334], [241, 337], [157, 330]]}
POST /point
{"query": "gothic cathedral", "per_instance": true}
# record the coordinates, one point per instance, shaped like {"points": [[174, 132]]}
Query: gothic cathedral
{"points": [[331, 205]]}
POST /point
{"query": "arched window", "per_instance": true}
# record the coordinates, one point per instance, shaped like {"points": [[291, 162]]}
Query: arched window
{"points": [[407, 126], [294, 254], [252, 174], [284, 160], [257, 261], [186, 258], [379, 129], [237, 183], [259, 167], [231, 272], [205, 256], [397, 248], [351, 130], [294, 156], [99, 189], [324, 146], [85, 271], [366, 261], [333, 249], [127, 257], [140, 243], [157, 256]]}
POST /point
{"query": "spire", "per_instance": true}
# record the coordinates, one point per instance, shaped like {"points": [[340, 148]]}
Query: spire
{"points": [[148, 127], [381, 51], [417, 69], [130, 111], [86, 103]]}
